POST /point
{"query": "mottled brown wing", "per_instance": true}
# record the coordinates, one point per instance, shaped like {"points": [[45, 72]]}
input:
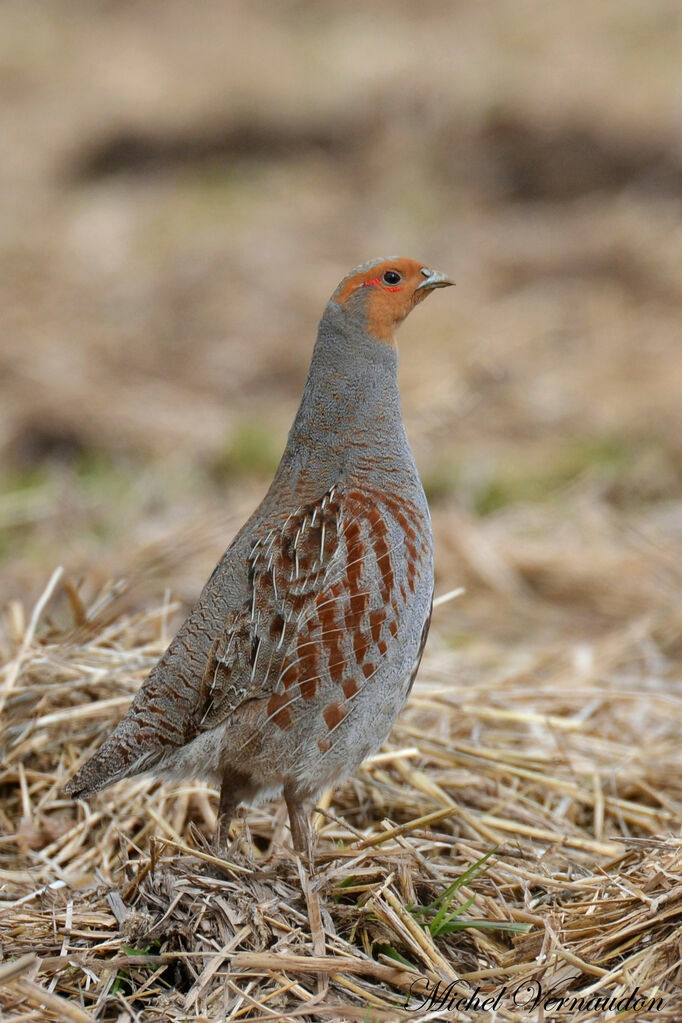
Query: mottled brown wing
{"points": [[287, 568], [325, 606]]}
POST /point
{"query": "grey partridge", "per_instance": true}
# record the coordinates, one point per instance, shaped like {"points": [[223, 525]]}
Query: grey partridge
{"points": [[304, 643]]}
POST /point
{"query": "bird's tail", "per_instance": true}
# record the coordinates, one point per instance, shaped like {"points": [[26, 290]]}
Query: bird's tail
{"points": [[112, 762]]}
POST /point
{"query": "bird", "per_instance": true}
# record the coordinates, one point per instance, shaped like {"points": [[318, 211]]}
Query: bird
{"points": [[304, 644]]}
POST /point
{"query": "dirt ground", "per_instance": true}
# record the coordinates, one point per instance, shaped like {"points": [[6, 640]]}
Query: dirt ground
{"points": [[183, 185]]}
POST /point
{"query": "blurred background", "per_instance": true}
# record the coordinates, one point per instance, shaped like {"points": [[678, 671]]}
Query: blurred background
{"points": [[183, 185]]}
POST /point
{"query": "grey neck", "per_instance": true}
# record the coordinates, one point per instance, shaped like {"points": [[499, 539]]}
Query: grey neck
{"points": [[350, 413]]}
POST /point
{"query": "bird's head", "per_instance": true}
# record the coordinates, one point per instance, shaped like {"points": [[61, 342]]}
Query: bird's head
{"points": [[378, 295]]}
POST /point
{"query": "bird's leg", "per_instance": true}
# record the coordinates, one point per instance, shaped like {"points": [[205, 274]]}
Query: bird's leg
{"points": [[229, 802], [301, 829], [302, 837]]}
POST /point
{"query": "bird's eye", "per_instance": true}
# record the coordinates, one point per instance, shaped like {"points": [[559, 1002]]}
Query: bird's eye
{"points": [[392, 277]]}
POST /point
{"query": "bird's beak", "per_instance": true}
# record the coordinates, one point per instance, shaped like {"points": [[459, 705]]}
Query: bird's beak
{"points": [[433, 279]]}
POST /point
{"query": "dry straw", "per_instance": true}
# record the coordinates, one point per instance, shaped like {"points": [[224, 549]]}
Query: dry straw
{"points": [[520, 828]]}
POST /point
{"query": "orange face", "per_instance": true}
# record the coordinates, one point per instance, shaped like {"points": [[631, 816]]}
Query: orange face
{"points": [[386, 290]]}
